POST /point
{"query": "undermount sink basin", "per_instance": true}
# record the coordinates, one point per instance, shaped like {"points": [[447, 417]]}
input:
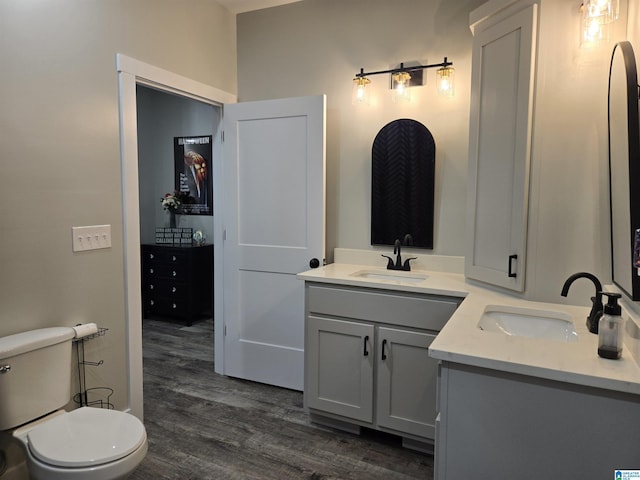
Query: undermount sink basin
{"points": [[391, 276], [528, 322]]}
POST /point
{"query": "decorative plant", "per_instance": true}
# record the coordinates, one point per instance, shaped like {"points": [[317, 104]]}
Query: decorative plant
{"points": [[171, 201]]}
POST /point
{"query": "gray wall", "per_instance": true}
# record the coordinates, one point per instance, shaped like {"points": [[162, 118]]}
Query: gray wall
{"points": [[60, 147], [316, 46], [161, 117]]}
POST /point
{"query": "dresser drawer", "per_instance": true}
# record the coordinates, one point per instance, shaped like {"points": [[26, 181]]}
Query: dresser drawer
{"points": [[160, 270], [429, 312], [161, 288], [164, 255], [165, 305]]}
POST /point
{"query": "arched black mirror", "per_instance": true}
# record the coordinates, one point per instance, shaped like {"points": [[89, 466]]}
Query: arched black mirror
{"points": [[624, 167], [402, 184]]}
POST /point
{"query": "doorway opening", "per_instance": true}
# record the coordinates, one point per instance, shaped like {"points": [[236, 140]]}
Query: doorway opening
{"points": [[131, 73], [177, 274]]}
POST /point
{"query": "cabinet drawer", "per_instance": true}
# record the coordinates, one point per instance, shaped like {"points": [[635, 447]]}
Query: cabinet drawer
{"points": [[430, 312], [165, 289], [163, 255], [159, 270], [165, 305]]}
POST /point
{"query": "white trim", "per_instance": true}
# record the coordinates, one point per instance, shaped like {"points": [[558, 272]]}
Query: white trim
{"points": [[132, 72], [495, 10], [171, 82]]}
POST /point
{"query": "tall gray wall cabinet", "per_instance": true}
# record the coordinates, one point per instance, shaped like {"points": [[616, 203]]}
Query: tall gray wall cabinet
{"points": [[367, 362], [503, 67]]}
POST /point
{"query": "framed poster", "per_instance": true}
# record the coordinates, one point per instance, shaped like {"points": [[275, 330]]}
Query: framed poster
{"points": [[192, 159]]}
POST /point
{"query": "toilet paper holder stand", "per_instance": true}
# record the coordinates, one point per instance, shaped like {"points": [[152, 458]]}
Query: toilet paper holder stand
{"points": [[96, 396]]}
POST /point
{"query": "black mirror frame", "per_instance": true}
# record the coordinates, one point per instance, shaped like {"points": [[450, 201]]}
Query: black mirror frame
{"points": [[403, 159], [633, 137]]}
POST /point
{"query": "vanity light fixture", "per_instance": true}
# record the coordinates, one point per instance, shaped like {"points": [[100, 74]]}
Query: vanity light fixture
{"points": [[597, 15], [402, 78]]}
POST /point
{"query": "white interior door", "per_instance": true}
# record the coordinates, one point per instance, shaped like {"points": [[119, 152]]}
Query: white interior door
{"points": [[274, 184]]}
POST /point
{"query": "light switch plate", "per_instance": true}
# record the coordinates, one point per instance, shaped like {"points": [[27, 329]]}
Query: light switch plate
{"points": [[91, 238]]}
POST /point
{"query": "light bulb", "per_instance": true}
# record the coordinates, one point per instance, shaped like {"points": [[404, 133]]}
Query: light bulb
{"points": [[595, 29], [596, 17], [445, 86], [607, 10], [360, 93], [401, 81]]}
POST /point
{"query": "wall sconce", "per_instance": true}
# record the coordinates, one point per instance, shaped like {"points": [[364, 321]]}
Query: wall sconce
{"points": [[597, 15], [404, 77]]}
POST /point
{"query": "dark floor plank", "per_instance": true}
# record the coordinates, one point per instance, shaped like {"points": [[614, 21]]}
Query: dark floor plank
{"points": [[202, 425]]}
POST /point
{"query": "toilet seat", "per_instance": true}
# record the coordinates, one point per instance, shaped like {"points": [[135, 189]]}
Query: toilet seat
{"points": [[86, 437]]}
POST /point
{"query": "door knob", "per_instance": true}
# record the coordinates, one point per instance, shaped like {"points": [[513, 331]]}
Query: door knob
{"points": [[314, 263]]}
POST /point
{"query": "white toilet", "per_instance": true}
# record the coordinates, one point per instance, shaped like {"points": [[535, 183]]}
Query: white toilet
{"points": [[86, 443]]}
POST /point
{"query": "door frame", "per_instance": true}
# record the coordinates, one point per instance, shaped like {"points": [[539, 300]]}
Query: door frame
{"points": [[132, 72]]}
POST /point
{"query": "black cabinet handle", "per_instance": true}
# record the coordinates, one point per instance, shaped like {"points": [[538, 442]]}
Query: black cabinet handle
{"points": [[384, 344], [314, 263], [366, 352], [512, 274]]}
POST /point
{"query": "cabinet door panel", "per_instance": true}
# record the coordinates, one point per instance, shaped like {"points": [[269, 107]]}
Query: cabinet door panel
{"points": [[407, 379], [500, 149], [339, 370]]}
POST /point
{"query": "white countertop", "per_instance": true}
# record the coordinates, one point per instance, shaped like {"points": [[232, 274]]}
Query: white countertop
{"points": [[461, 341]]}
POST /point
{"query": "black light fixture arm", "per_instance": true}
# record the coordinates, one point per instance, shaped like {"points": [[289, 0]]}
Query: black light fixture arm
{"points": [[402, 68]]}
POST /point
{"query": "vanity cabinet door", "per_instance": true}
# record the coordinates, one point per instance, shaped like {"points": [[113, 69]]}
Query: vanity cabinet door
{"points": [[339, 369], [500, 129], [406, 382]]}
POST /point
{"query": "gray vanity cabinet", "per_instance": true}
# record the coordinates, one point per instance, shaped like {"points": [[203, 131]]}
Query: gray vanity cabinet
{"points": [[366, 358], [502, 425]]}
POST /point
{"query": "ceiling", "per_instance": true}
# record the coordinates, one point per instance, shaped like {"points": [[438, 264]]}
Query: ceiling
{"points": [[240, 6]]}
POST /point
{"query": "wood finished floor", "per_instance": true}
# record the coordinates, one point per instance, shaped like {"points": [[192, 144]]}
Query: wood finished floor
{"points": [[202, 425]]}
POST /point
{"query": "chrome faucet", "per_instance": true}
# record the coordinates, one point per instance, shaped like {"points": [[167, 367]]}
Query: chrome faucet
{"points": [[397, 247], [596, 302]]}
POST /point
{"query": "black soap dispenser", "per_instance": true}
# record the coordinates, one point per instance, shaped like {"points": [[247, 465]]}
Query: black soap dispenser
{"points": [[611, 328]]}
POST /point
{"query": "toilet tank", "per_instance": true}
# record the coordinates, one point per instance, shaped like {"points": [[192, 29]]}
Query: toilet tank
{"points": [[35, 374]]}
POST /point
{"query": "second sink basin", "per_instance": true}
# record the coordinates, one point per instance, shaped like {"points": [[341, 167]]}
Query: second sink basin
{"points": [[391, 276], [528, 322]]}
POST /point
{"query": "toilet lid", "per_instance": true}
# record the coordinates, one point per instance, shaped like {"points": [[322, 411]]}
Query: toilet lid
{"points": [[86, 437]]}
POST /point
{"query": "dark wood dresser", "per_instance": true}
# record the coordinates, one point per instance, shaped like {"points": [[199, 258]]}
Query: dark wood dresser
{"points": [[177, 281]]}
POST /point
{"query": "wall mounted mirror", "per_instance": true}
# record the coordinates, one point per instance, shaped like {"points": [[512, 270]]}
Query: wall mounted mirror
{"points": [[624, 167], [402, 184]]}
